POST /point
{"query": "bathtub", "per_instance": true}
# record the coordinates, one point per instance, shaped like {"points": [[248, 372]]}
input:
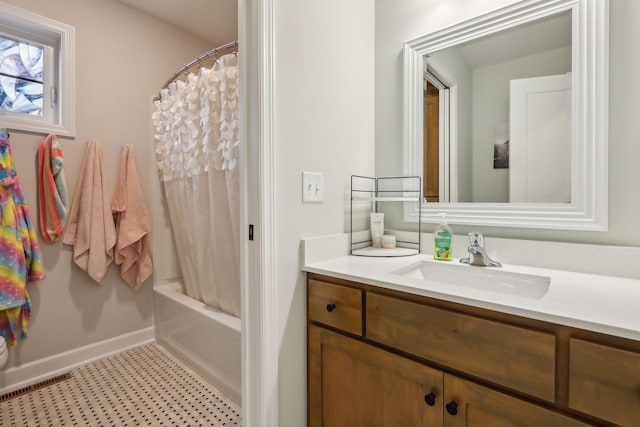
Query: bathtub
{"points": [[204, 339]]}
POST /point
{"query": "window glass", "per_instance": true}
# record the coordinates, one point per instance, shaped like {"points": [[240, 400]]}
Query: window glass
{"points": [[21, 77]]}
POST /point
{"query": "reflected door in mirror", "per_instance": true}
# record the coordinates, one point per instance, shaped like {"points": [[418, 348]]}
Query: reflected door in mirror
{"points": [[431, 143], [540, 141]]}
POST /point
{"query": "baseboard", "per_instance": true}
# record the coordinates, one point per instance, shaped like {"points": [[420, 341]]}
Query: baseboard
{"points": [[40, 370]]}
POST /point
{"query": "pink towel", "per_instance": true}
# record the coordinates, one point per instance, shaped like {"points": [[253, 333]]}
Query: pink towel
{"points": [[133, 224], [90, 227]]}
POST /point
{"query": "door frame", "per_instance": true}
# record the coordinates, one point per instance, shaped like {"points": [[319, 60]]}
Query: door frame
{"points": [[260, 336], [447, 135], [436, 73]]}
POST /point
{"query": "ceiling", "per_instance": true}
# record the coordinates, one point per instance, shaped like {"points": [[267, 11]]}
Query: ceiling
{"points": [[524, 40], [213, 20]]}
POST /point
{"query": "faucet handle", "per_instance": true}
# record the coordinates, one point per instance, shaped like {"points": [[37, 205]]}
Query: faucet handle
{"points": [[476, 239]]}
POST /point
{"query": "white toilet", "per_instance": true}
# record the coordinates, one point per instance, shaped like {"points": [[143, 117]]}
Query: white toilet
{"points": [[4, 352]]}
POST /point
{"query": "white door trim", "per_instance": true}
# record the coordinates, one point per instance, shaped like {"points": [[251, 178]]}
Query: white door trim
{"points": [[258, 262]]}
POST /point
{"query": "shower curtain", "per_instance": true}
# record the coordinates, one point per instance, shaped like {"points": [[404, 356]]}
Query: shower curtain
{"points": [[196, 142]]}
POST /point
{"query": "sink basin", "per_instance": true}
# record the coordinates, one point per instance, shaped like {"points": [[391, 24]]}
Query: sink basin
{"points": [[481, 278]]}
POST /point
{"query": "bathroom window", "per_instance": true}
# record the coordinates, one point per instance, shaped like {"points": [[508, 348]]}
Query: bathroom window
{"points": [[21, 77], [36, 73]]}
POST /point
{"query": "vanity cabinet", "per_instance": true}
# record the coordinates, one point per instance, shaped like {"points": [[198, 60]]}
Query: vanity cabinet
{"points": [[379, 357], [356, 384]]}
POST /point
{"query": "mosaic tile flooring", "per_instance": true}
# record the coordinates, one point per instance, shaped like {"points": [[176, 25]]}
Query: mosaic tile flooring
{"points": [[144, 386]]}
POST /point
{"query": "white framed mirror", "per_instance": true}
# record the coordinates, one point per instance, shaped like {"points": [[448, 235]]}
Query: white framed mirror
{"points": [[521, 127]]}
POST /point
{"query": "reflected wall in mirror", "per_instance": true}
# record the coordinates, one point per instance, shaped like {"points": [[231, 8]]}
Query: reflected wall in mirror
{"points": [[512, 100], [506, 118]]}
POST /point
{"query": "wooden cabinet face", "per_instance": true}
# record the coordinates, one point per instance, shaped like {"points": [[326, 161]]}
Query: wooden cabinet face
{"points": [[604, 382], [353, 384], [518, 358], [364, 370], [335, 305], [478, 406]]}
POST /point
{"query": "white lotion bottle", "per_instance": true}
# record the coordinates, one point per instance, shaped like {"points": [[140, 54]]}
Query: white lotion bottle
{"points": [[377, 229]]}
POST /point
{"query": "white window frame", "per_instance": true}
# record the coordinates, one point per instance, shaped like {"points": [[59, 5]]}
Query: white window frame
{"points": [[58, 40]]}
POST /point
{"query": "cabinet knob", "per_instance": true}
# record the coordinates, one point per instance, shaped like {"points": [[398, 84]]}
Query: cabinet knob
{"points": [[452, 408], [430, 399], [331, 307]]}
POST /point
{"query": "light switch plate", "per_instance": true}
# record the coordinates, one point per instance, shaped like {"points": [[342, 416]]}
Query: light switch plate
{"points": [[312, 187]]}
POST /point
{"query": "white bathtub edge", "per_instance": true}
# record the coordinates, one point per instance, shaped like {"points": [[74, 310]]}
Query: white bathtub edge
{"points": [[173, 290], [173, 311]]}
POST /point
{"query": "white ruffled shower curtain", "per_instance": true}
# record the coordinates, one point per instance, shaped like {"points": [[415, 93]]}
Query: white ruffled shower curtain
{"points": [[196, 137]]}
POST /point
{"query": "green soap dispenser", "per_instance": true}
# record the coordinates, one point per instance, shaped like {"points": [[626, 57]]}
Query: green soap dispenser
{"points": [[442, 238]]}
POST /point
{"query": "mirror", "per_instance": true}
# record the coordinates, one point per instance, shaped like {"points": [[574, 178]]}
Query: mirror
{"points": [[515, 83], [505, 117]]}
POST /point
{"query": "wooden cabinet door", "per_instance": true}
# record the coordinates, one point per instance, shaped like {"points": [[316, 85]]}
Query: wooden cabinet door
{"points": [[604, 382], [470, 405], [352, 384]]}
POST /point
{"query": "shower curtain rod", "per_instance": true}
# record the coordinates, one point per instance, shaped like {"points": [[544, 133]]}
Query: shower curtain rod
{"points": [[198, 60]]}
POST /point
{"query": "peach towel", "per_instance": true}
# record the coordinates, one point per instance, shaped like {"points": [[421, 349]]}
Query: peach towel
{"points": [[133, 224], [90, 227]]}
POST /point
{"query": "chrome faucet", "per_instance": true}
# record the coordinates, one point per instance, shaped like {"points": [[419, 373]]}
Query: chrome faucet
{"points": [[478, 253]]}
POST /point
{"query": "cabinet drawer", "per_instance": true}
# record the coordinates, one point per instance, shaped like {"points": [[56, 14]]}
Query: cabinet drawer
{"points": [[336, 306], [518, 358], [604, 382]]}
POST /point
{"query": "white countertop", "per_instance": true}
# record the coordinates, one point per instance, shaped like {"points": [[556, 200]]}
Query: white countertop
{"points": [[594, 302]]}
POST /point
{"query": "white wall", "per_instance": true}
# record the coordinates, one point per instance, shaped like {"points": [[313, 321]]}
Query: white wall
{"points": [[324, 109], [122, 58], [491, 108], [397, 22]]}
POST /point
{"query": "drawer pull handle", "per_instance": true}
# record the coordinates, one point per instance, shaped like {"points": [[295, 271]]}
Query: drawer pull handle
{"points": [[331, 307], [430, 399], [452, 408]]}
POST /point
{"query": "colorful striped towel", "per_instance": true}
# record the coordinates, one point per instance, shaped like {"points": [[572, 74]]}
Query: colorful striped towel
{"points": [[19, 251], [52, 190]]}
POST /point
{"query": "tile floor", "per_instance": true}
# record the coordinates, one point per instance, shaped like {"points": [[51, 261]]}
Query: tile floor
{"points": [[144, 386]]}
